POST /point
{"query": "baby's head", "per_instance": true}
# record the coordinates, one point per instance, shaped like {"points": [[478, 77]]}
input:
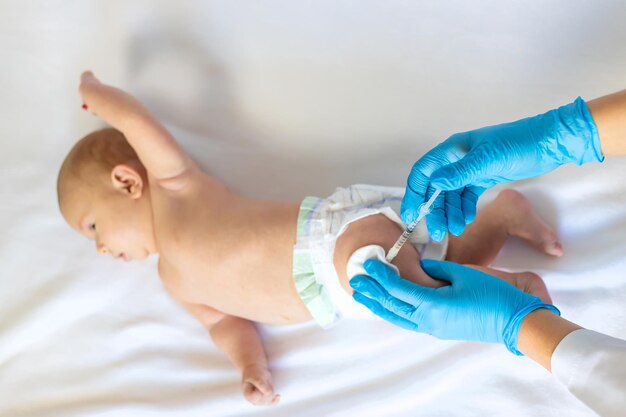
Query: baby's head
{"points": [[103, 194]]}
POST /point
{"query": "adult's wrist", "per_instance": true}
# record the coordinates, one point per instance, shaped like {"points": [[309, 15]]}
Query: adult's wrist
{"points": [[609, 113], [540, 333], [511, 331], [569, 134]]}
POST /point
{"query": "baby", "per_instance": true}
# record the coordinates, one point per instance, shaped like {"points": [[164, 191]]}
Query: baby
{"points": [[135, 192]]}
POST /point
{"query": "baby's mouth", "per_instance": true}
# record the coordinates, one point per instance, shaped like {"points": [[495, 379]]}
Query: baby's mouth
{"points": [[122, 255]]}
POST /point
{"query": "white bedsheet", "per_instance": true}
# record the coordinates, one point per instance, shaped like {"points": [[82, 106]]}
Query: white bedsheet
{"points": [[284, 99]]}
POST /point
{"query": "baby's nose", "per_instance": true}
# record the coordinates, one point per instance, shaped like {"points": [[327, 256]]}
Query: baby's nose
{"points": [[101, 249]]}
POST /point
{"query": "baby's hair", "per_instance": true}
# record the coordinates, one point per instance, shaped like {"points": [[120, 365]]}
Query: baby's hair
{"points": [[93, 157]]}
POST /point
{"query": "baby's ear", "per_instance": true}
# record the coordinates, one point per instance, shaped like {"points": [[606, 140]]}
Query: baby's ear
{"points": [[127, 180]]}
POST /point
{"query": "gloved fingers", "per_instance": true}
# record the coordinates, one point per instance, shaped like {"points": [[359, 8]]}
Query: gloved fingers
{"points": [[469, 170], [437, 221], [425, 166], [399, 288], [469, 200], [409, 209], [368, 287], [454, 213], [446, 271], [419, 178], [380, 311]]}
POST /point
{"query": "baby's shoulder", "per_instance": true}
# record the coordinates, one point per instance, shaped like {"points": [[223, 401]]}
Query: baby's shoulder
{"points": [[174, 193], [177, 185], [170, 277]]}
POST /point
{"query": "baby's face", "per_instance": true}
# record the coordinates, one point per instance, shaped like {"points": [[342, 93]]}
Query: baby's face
{"points": [[119, 225]]}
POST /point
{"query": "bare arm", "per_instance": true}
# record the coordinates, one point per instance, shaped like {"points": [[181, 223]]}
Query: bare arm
{"points": [[609, 113], [239, 339], [155, 146], [540, 333]]}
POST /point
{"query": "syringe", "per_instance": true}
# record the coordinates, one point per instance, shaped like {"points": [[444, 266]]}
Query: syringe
{"points": [[423, 211]]}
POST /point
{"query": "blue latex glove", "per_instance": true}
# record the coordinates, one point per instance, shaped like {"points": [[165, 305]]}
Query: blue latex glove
{"points": [[468, 163], [474, 307]]}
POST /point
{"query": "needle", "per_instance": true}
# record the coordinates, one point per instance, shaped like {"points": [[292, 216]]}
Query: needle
{"points": [[423, 211]]}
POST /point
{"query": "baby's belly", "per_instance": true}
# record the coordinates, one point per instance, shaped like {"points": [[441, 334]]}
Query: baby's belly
{"points": [[265, 305], [241, 290], [271, 312], [268, 300]]}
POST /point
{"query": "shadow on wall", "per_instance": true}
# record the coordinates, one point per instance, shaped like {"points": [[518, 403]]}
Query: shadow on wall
{"points": [[183, 84], [179, 80]]}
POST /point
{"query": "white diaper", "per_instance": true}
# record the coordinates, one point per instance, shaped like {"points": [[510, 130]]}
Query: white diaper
{"points": [[320, 223]]}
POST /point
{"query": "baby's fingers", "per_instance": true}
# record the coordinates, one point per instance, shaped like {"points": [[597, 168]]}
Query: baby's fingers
{"points": [[261, 384], [86, 75], [251, 393], [260, 395], [258, 390]]}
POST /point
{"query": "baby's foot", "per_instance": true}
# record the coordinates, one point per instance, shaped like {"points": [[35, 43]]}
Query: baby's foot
{"points": [[532, 284], [523, 222]]}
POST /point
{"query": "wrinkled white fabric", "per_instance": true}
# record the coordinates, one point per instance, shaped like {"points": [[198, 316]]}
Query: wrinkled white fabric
{"points": [[283, 99], [593, 367]]}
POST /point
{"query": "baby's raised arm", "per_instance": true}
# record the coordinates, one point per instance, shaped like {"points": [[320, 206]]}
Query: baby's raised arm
{"points": [[163, 158]]}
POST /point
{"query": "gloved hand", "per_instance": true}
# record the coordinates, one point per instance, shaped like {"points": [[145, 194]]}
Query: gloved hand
{"points": [[474, 307], [468, 163]]}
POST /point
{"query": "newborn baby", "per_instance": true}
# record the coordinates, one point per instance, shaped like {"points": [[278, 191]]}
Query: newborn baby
{"points": [[133, 190]]}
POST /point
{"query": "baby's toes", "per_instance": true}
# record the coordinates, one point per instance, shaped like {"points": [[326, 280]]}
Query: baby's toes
{"points": [[551, 244]]}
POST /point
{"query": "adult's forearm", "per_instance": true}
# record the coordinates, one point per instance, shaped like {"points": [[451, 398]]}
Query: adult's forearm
{"points": [[609, 114], [540, 333]]}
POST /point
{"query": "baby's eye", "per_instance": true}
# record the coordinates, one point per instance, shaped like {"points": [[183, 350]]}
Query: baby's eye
{"points": [[92, 227]]}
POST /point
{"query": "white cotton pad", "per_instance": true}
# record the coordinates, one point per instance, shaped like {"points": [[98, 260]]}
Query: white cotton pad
{"points": [[355, 263], [346, 306]]}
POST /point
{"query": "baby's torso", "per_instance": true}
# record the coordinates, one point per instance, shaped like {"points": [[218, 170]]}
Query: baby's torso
{"points": [[228, 252], [264, 261]]}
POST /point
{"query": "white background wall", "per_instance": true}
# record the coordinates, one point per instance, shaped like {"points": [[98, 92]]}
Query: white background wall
{"points": [[303, 95]]}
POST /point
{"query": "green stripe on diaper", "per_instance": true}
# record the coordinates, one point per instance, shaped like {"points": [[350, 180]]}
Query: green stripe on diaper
{"points": [[307, 211], [312, 293]]}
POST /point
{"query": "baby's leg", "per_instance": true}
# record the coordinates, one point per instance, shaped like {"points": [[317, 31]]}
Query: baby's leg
{"points": [[510, 214], [379, 230], [528, 282]]}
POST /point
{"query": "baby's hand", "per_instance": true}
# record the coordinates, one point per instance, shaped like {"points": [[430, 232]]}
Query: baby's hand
{"points": [[257, 386], [87, 79], [87, 76]]}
